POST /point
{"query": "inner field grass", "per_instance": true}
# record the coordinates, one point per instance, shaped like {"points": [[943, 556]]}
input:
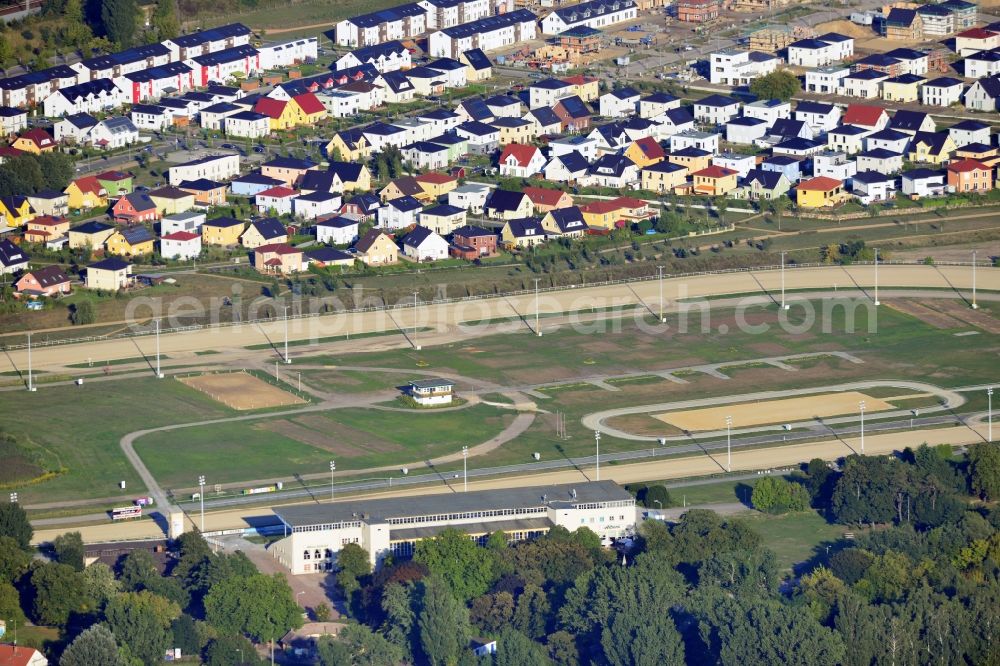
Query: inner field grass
{"points": [[83, 425]]}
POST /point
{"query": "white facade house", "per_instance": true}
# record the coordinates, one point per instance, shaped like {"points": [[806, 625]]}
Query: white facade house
{"points": [[470, 196], [826, 80], [189, 221], [426, 155], [398, 213], [716, 109], [657, 104], [924, 183], [736, 67], [340, 230], [521, 161], [865, 84], [768, 110], [707, 141], [383, 527], [619, 103], [969, 131], [487, 34], [401, 22], [113, 133], [847, 138], [448, 13], [943, 91], [212, 167], [74, 128], [820, 117], [12, 120], [288, 54], [742, 164], [745, 131], [834, 165], [181, 245], [423, 244], [547, 92], [596, 14], [389, 56], [150, 117], [316, 204], [820, 51], [248, 125], [982, 64], [89, 97]]}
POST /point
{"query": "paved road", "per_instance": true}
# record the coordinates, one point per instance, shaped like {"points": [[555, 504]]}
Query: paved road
{"points": [[446, 317]]}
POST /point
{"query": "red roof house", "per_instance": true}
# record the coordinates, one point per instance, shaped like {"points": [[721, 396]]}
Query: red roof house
{"points": [[518, 159], [546, 199], [864, 115]]}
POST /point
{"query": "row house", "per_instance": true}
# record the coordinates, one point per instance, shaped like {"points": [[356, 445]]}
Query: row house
{"points": [[212, 167], [487, 34], [220, 66], [208, 41], [385, 57], [288, 54], [31, 89], [89, 97], [448, 13], [123, 62], [402, 22], [154, 83], [597, 14]]}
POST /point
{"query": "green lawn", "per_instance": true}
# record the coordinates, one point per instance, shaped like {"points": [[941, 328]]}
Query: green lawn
{"points": [[795, 537], [356, 438], [80, 427], [356, 381]]}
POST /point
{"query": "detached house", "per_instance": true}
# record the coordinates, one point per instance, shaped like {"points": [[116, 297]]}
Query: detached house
{"points": [[423, 244], [969, 175], [442, 219], [111, 274], [398, 213], [507, 205], [46, 281], [470, 242], [12, 258], [130, 242], [873, 187], [136, 207], [264, 231], [619, 103], [545, 199], [714, 181], [278, 258], [377, 248], [564, 223], [820, 192], [181, 245], [663, 177], [522, 233], [761, 185], [222, 231], [716, 109], [89, 235], [520, 160]]}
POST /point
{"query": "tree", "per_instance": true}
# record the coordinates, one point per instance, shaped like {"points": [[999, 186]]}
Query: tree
{"points": [[58, 591], [231, 651], [516, 649], [14, 523], [850, 564], [68, 548], [164, 20], [96, 646], [562, 648], [443, 624], [354, 559], [357, 645], [532, 612], [184, 633], [142, 621], [120, 19], [14, 560], [10, 605], [492, 612], [57, 170], [400, 622], [261, 607], [138, 570], [458, 561], [780, 84], [984, 470], [777, 495], [100, 583], [83, 313]]}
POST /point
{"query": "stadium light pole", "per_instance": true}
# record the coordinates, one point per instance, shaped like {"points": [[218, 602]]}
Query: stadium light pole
{"points": [[31, 382], [333, 468], [876, 277], [597, 458], [729, 444], [465, 469], [538, 331], [989, 414], [159, 375], [861, 408], [415, 345], [663, 320], [13, 498], [784, 306], [201, 496], [288, 359], [975, 306]]}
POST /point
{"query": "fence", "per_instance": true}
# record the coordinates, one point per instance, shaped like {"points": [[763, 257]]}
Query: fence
{"points": [[464, 299]]}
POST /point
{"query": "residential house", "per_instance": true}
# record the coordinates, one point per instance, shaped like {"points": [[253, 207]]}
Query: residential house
{"points": [[478, 66], [377, 248], [903, 88], [339, 230], [110, 274], [693, 159], [189, 221], [745, 131], [619, 103], [547, 92], [264, 231], [975, 40], [610, 170], [922, 183], [564, 223], [873, 187], [46, 229], [314, 205], [471, 242], [912, 122], [872, 118], [470, 196], [398, 213], [984, 95], [827, 80], [968, 175], [12, 258], [707, 141], [644, 152], [931, 148], [545, 120], [889, 139], [74, 128], [346, 177], [404, 186], [220, 167], [819, 117], [483, 139], [573, 113], [656, 104], [904, 25], [442, 219], [847, 138], [181, 245], [714, 181], [247, 125], [514, 130], [132, 241], [89, 235], [835, 165], [278, 258], [206, 192], [170, 200], [507, 205], [863, 83], [49, 202], [663, 177], [35, 141], [349, 145], [616, 212], [768, 110], [737, 67], [16, 210], [423, 244], [587, 88], [12, 120], [566, 168], [289, 170], [436, 185], [741, 164], [250, 184], [504, 106], [276, 201], [785, 165], [761, 185], [716, 109], [116, 183], [545, 199], [222, 231], [942, 91], [522, 232], [879, 159], [138, 207], [820, 192], [326, 257], [520, 160], [45, 281]]}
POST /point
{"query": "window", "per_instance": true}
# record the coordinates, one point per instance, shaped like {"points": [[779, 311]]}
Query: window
{"points": [[306, 555]]}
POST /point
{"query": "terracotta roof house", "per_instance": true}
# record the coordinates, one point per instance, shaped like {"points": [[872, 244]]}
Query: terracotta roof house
{"points": [[546, 199], [46, 281]]}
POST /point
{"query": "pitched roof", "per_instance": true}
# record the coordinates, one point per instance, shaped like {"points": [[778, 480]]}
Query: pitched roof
{"points": [[716, 101], [181, 236], [137, 234], [11, 254], [472, 231], [309, 103], [223, 222], [269, 227], [418, 236], [526, 227], [543, 196], [279, 191], [522, 153], [110, 264], [862, 114], [715, 171], [966, 165], [504, 199], [47, 276], [820, 184], [435, 178], [767, 178], [270, 107], [365, 242], [568, 219]]}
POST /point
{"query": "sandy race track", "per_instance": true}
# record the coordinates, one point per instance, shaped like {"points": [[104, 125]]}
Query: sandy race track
{"points": [[767, 412], [239, 390]]}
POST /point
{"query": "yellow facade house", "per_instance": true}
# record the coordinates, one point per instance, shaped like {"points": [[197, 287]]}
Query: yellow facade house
{"points": [[905, 88], [130, 242], [350, 146], [16, 210], [931, 148], [86, 192], [663, 177], [515, 130], [224, 231], [820, 192], [111, 274]]}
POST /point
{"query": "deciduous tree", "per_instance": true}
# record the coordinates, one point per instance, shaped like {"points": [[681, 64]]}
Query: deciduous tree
{"points": [[258, 606], [443, 624], [780, 84], [68, 548], [142, 621], [58, 591], [984, 470], [14, 523], [458, 561], [96, 646]]}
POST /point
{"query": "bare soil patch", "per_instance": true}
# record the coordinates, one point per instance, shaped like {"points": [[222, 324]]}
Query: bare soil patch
{"points": [[241, 391], [845, 27], [642, 424], [772, 411], [346, 435], [925, 314], [977, 318], [291, 430]]}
